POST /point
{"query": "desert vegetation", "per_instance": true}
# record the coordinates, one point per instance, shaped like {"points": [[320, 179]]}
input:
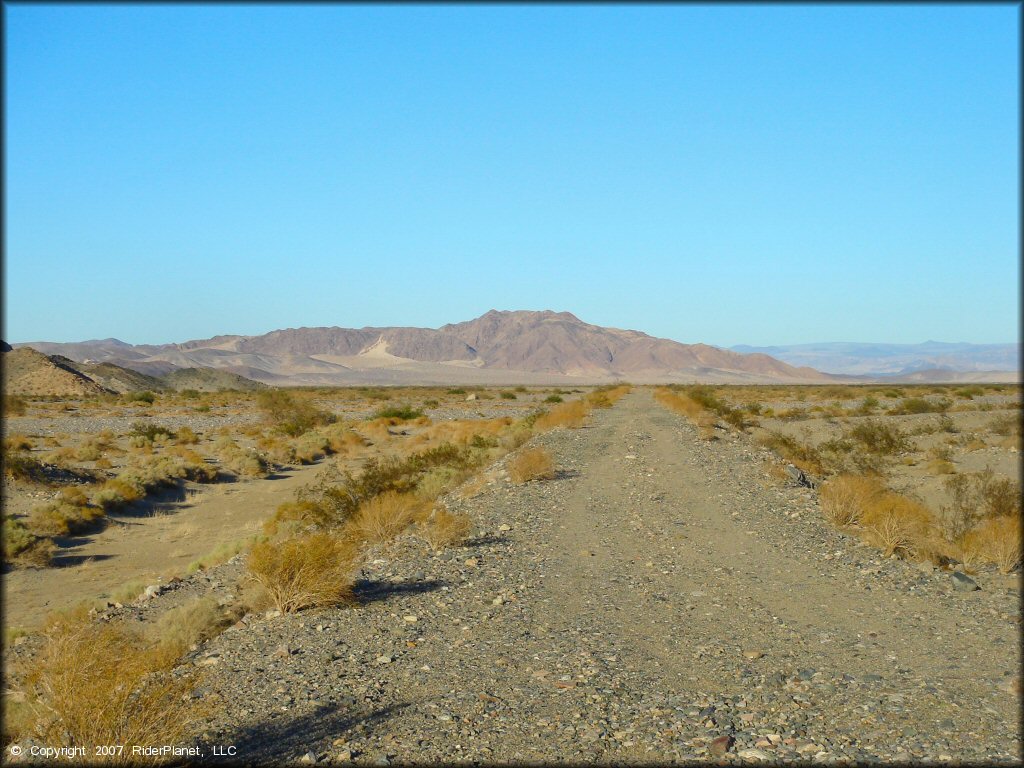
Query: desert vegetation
{"points": [[927, 473], [383, 471]]}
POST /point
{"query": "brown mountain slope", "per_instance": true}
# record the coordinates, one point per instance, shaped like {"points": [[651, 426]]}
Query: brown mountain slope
{"points": [[559, 342], [505, 346], [28, 372]]}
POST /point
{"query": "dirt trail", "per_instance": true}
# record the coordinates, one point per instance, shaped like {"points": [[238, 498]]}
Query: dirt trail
{"points": [[160, 538], [655, 597]]}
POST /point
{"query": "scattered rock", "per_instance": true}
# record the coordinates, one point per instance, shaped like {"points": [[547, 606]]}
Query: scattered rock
{"points": [[963, 582]]}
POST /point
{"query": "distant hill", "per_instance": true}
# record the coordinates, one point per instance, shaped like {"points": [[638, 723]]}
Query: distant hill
{"points": [[29, 372], [933, 357], [208, 380], [498, 347]]}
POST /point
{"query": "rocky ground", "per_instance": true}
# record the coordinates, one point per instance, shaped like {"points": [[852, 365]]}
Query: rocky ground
{"points": [[660, 600]]}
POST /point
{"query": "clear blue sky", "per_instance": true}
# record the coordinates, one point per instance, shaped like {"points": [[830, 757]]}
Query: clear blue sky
{"points": [[719, 174]]}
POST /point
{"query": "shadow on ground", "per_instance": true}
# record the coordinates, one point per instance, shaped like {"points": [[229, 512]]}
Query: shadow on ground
{"points": [[288, 737], [367, 591]]}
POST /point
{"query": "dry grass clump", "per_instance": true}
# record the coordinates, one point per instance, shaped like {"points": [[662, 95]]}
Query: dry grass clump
{"points": [[975, 497], [531, 464], [311, 447], [186, 436], [186, 626], [311, 571], [98, 684], [896, 523], [844, 498], [383, 517], [996, 540], [14, 405], [17, 443], [443, 528], [569, 415]]}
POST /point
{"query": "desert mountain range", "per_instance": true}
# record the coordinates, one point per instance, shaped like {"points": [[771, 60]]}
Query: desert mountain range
{"points": [[496, 348], [520, 347]]}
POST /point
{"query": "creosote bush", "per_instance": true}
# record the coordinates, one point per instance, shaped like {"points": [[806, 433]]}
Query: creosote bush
{"points": [[291, 415]]}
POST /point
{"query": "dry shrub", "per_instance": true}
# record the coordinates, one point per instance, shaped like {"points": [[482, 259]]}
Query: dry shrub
{"points": [[569, 415], [895, 523], [382, 517], [801, 455], [974, 497], [94, 683], [679, 403], [941, 467], [17, 443], [844, 499], [60, 518], [186, 436], [182, 628], [997, 540], [444, 528], [531, 464], [312, 571], [23, 547]]}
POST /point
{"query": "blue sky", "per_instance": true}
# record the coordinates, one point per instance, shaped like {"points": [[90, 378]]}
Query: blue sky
{"points": [[719, 174]]}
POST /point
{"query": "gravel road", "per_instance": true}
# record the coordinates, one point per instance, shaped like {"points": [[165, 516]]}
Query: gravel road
{"points": [[659, 601]]}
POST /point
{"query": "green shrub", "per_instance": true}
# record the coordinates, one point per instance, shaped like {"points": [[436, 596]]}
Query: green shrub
{"points": [[553, 399], [145, 396], [21, 545], [149, 431], [880, 438], [508, 395], [403, 412], [290, 415]]}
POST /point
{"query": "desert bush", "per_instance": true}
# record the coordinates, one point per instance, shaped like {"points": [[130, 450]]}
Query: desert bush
{"points": [[844, 498], [59, 518], [570, 414], [975, 497], [996, 540], [916, 405], [186, 626], [401, 412], [21, 545], [385, 516], [311, 447], [1006, 425], [145, 396], [941, 467], [801, 455], [149, 431], [443, 528], [531, 464], [508, 395], [553, 399], [880, 438], [19, 465], [289, 414], [14, 405], [896, 523], [97, 683], [17, 443], [312, 571], [186, 436], [220, 554], [867, 406]]}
